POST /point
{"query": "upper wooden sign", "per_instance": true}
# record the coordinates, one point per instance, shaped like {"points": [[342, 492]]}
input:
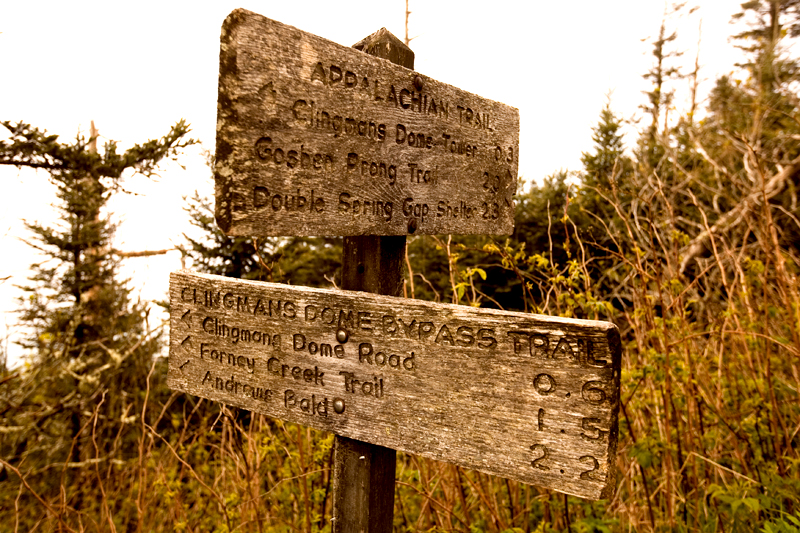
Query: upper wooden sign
{"points": [[314, 138], [527, 397]]}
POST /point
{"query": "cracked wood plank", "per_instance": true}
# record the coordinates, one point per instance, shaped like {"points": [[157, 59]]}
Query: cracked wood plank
{"points": [[316, 138], [526, 397]]}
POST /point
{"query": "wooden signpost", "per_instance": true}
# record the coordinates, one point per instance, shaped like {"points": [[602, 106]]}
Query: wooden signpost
{"points": [[314, 138], [521, 396]]}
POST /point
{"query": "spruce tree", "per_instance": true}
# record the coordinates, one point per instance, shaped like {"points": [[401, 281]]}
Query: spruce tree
{"points": [[306, 261], [213, 252], [606, 171], [769, 23], [89, 346], [749, 139]]}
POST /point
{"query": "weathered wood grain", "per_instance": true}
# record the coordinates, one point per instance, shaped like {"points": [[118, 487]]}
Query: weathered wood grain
{"points": [[364, 474], [363, 486], [315, 138], [527, 397]]}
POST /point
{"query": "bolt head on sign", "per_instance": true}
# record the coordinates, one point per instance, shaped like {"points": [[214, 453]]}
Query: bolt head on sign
{"points": [[315, 138], [526, 397]]}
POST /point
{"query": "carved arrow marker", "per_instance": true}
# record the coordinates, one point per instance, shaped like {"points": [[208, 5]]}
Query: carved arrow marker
{"points": [[462, 181], [186, 318], [527, 397]]}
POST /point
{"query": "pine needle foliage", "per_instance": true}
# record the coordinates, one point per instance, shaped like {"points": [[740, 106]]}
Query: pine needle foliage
{"points": [[89, 346]]}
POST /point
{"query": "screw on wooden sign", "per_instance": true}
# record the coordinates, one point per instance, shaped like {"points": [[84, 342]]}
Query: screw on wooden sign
{"points": [[526, 397], [315, 138]]}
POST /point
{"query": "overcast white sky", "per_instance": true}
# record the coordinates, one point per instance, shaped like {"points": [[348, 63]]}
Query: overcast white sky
{"points": [[135, 68]]}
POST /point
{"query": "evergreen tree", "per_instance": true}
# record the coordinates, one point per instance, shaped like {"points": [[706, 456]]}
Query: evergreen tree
{"points": [[606, 175], [307, 261], [748, 143], [770, 94], [769, 23], [608, 158], [606, 182], [651, 146], [214, 252], [89, 346]]}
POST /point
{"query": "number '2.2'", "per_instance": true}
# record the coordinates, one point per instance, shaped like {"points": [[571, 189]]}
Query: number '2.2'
{"points": [[545, 454]]}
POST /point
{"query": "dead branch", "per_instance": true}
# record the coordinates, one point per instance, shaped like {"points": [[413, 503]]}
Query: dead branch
{"points": [[735, 216], [144, 253]]}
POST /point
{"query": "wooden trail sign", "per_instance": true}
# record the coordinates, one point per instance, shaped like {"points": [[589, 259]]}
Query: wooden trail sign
{"points": [[526, 397], [314, 138]]}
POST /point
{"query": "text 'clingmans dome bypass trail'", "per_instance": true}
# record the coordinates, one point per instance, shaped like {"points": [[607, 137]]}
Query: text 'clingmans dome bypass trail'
{"points": [[526, 397]]}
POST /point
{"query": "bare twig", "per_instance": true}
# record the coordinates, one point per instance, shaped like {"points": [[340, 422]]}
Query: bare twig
{"points": [[736, 215], [36, 495], [143, 253]]}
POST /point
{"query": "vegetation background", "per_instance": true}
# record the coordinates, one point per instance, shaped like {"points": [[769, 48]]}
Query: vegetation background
{"points": [[685, 235]]}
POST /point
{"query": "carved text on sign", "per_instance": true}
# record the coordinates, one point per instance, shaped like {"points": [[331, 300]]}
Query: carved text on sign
{"points": [[522, 396], [315, 138]]}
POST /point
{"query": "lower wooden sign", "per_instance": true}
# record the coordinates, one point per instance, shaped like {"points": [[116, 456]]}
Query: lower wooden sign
{"points": [[527, 397]]}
